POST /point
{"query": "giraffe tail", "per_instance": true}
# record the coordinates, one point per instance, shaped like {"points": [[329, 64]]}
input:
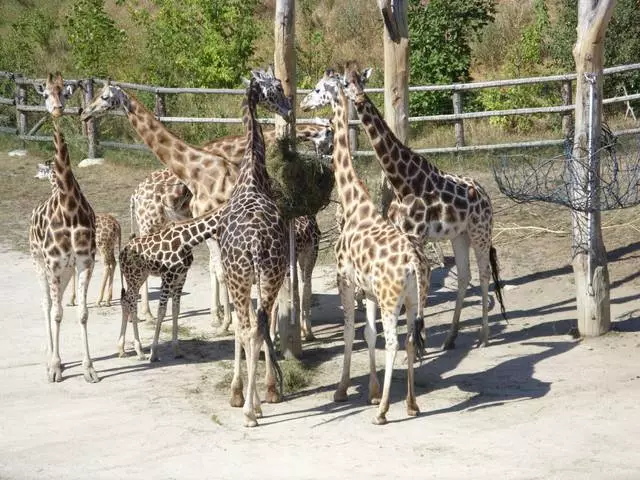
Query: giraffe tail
{"points": [[418, 323], [495, 272], [132, 208]]}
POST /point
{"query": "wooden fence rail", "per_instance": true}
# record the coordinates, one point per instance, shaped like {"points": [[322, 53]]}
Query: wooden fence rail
{"points": [[91, 131]]}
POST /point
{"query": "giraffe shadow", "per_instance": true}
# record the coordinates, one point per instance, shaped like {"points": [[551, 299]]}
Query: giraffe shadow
{"points": [[510, 381], [194, 350]]}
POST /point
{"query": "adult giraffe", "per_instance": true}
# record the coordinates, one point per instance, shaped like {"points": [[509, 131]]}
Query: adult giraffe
{"points": [[433, 204]]}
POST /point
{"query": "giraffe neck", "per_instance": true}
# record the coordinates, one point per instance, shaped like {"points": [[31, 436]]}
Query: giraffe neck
{"points": [[166, 146], [63, 180], [351, 191], [398, 161], [194, 232], [253, 172]]}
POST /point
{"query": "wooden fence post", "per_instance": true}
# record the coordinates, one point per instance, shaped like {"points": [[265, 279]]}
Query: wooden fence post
{"points": [[92, 123], [567, 117], [459, 124], [161, 105], [353, 129], [21, 99]]}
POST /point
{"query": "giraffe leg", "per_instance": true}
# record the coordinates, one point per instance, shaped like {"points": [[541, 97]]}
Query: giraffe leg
{"points": [[85, 269], [390, 324], [145, 311], [46, 301], [484, 270], [370, 336], [253, 344], [105, 279], [112, 271], [306, 270], [72, 300], [346, 294], [126, 314], [220, 314], [237, 399], [175, 312], [410, 347], [58, 283], [162, 310], [461, 251]]}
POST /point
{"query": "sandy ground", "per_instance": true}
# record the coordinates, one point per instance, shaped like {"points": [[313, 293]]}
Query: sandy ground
{"points": [[535, 404]]}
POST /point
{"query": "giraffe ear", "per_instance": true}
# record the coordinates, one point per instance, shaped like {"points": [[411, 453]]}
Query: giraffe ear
{"points": [[366, 74], [270, 71], [39, 88], [245, 82]]}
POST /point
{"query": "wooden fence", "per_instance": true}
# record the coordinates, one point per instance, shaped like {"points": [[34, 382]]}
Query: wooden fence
{"points": [[457, 119]]}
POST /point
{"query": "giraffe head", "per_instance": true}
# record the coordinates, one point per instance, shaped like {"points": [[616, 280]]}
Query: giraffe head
{"points": [[109, 98], [354, 80], [324, 93], [270, 92], [55, 93]]}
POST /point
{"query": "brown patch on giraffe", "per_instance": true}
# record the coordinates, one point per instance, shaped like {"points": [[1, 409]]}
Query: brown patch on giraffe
{"points": [[450, 214]]}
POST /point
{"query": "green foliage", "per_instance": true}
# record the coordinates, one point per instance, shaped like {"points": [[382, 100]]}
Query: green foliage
{"points": [[96, 42], [621, 45], [197, 43], [29, 37], [441, 32], [524, 58]]}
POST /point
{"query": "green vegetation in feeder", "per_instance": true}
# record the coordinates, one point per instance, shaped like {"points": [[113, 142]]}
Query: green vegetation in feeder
{"points": [[301, 182]]}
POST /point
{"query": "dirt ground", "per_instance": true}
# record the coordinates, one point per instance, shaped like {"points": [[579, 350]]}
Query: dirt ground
{"points": [[535, 404]]}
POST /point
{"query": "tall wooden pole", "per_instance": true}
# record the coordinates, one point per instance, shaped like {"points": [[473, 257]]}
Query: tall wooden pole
{"points": [[396, 78], [285, 69], [588, 251]]}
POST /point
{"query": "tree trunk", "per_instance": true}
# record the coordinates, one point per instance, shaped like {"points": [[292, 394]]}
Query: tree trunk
{"points": [[285, 69], [396, 80], [588, 250]]}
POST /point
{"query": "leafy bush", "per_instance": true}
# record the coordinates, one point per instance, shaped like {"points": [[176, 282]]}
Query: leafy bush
{"points": [[197, 43], [96, 42], [441, 32]]}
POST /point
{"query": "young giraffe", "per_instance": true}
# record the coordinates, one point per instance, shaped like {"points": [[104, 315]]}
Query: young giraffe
{"points": [[209, 177], [108, 234], [432, 204], [168, 254], [162, 197], [254, 245], [55, 93], [61, 235], [373, 255]]}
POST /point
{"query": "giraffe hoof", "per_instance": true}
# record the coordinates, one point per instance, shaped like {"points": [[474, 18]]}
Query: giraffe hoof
{"points": [[237, 400], [55, 373], [257, 411], [153, 357], [413, 410], [250, 422], [310, 337], [374, 400], [122, 354], [90, 375], [340, 396], [379, 420], [272, 395]]}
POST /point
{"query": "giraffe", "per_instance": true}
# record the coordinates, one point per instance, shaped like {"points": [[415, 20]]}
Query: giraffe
{"points": [[159, 199], [162, 197], [55, 93], [108, 234], [208, 177], [167, 253], [61, 235], [373, 255], [433, 204], [254, 245]]}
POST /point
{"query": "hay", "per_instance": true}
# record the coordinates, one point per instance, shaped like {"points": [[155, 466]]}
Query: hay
{"points": [[301, 182]]}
